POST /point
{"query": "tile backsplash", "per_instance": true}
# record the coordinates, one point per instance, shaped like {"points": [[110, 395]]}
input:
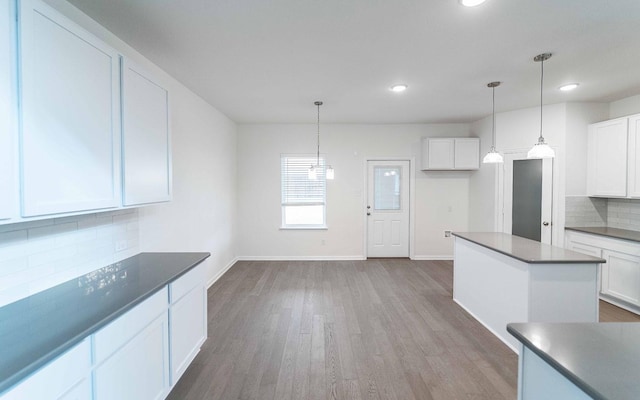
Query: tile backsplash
{"points": [[583, 211], [592, 211], [623, 214], [37, 255]]}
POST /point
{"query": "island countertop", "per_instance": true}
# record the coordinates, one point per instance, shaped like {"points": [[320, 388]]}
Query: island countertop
{"points": [[615, 233], [602, 359], [526, 250], [36, 329]]}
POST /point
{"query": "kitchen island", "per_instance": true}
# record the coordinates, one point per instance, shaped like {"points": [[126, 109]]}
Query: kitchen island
{"points": [[578, 360], [501, 278]]}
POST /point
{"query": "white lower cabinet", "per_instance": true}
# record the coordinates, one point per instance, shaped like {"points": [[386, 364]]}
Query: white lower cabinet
{"points": [[188, 320], [138, 356], [65, 378], [620, 275], [140, 369]]}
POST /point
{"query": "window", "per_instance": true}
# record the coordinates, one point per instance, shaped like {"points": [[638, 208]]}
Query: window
{"points": [[303, 199]]}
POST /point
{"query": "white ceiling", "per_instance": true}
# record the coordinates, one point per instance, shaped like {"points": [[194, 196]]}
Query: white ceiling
{"points": [[268, 60]]}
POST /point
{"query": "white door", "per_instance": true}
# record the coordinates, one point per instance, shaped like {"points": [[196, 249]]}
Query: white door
{"points": [[527, 197], [388, 208]]}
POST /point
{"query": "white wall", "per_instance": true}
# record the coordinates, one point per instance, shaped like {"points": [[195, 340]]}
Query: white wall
{"points": [[626, 106], [483, 184], [442, 198]]}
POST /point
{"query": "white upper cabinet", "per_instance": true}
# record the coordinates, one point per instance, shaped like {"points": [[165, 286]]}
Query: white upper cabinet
{"points": [[467, 153], [607, 158], [450, 153], [634, 157], [70, 109], [7, 111], [146, 137]]}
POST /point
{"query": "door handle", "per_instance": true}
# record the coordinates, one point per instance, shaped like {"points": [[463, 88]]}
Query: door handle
{"points": [[545, 223], [368, 213]]}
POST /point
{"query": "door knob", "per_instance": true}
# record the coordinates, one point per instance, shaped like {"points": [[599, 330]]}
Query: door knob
{"points": [[368, 213], [545, 223]]}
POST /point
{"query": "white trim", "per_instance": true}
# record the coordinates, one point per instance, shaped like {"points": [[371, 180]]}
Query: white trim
{"points": [[432, 258], [221, 272], [301, 258]]}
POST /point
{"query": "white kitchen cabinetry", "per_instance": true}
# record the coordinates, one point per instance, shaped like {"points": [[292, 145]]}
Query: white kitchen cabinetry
{"points": [[70, 110], [613, 159], [620, 275], [65, 378], [7, 111], [146, 137], [450, 154], [634, 157], [188, 319], [132, 350]]}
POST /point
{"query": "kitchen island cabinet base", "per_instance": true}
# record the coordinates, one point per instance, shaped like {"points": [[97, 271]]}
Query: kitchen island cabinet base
{"points": [[497, 289]]}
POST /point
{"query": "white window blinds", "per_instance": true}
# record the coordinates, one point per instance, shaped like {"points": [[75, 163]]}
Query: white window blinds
{"points": [[297, 188], [303, 199]]}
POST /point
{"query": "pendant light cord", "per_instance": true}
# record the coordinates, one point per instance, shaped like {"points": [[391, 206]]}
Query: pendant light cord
{"points": [[541, 139], [318, 148], [493, 111]]}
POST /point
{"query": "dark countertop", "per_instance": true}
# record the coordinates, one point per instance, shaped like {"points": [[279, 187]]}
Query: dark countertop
{"points": [[616, 233], [36, 329], [526, 250], [602, 359]]}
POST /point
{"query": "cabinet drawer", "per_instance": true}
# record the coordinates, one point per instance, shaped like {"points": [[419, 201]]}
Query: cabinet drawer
{"points": [[59, 379], [119, 332], [181, 286]]}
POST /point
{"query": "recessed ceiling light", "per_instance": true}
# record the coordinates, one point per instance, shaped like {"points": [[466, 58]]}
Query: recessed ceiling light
{"points": [[471, 3], [569, 86], [398, 88]]}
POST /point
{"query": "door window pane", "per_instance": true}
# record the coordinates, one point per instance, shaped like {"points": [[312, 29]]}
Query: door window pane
{"points": [[386, 188]]}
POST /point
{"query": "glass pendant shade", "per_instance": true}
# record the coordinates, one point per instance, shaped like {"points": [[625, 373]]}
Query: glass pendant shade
{"points": [[330, 174], [493, 157], [541, 150]]}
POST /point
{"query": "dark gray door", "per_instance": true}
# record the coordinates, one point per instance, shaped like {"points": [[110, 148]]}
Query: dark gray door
{"points": [[527, 199]]}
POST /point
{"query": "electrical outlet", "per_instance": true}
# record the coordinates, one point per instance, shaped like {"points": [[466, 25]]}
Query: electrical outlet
{"points": [[447, 233], [121, 245], [323, 242]]}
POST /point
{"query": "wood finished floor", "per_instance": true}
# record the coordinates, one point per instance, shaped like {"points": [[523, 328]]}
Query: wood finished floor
{"points": [[376, 329]]}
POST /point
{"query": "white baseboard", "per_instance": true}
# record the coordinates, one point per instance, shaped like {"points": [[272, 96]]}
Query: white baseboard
{"points": [[433, 258], [301, 258], [222, 271]]}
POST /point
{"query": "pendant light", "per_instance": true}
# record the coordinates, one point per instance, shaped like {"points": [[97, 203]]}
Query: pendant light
{"points": [[493, 157], [314, 170], [541, 149]]}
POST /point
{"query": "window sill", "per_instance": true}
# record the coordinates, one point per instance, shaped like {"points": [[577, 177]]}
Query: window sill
{"points": [[304, 228]]}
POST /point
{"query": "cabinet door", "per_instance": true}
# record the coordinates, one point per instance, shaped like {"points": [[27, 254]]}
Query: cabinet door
{"points": [[7, 110], [607, 158], [146, 138], [440, 153], [467, 153], [634, 156], [65, 378], [621, 276], [188, 330], [70, 134], [140, 369]]}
